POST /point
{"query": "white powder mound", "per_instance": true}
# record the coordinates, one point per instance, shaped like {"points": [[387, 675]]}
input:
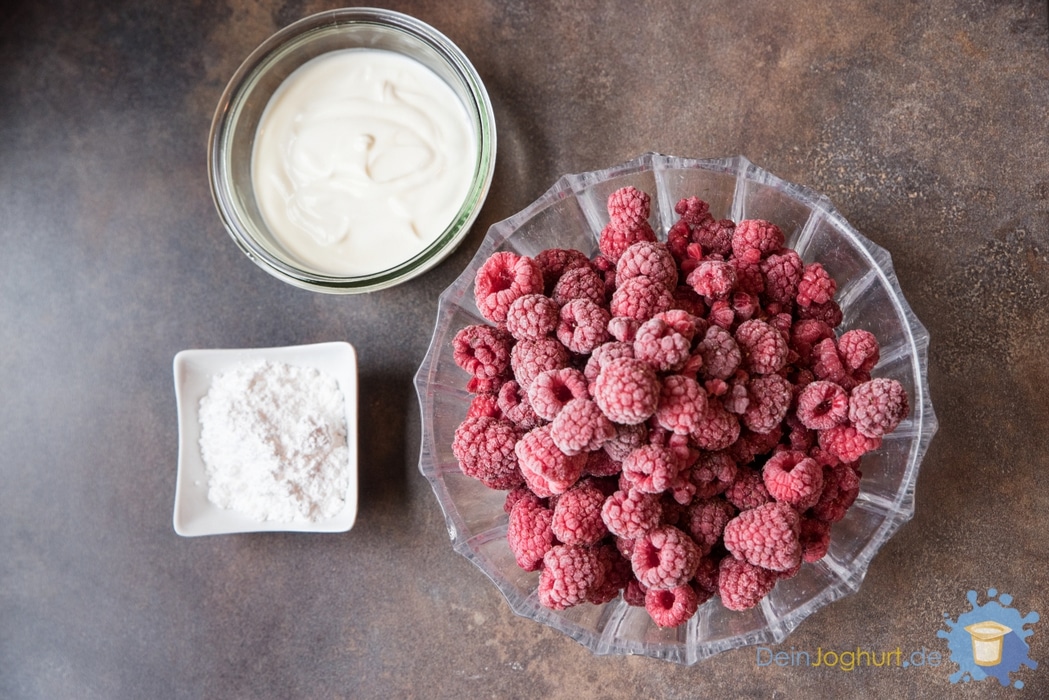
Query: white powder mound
{"points": [[273, 439]]}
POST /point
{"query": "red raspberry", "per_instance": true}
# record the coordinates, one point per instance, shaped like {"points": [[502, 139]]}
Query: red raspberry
{"points": [[626, 439], [829, 313], [583, 326], [484, 405], [847, 443], [647, 259], [693, 211], [742, 585], [623, 329], [782, 273], [859, 350], [630, 514], [640, 298], [706, 578], [826, 362], [531, 317], [745, 306], [822, 405], [513, 403], [720, 352], [841, 486], [686, 299], [485, 450], [634, 593], [530, 357], [602, 354], [627, 390], [569, 573], [805, 334], [877, 406], [751, 445], [815, 539], [580, 283], [554, 388], [721, 314], [615, 238], [756, 235], [682, 404], [770, 398], [735, 397], [713, 279], [483, 351], [629, 206], [516, 494], [749, 277], [581, 427], [683, 322], [706, 522], [715, 236], [679, 237], [554, 262], [793, 478], [713, 473], [717, 430], [546, 469], [748, 490], [529, 532], [659, 344], [671, 607], [816, 286], [651, 468], [501, 279], [766, 536], [665, 557], [577, 515], [763, 348], [599, 463], [617, 575]]}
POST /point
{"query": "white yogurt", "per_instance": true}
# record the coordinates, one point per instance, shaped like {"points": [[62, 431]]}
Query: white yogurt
{"points": [[362, 158]]}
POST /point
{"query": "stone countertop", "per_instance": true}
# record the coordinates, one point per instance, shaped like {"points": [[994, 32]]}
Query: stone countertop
{"points": [[924, 122]]}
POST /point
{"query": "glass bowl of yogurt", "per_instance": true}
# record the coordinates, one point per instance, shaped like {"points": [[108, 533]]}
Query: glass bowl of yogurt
{"points": [[352, 150]]}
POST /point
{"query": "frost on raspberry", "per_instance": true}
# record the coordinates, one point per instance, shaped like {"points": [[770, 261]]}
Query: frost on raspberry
{"points": [[765, 536], [630, 514], [546, 469], [682, 404], [647, 259], [822, 405], [583, 326], [627, 390], [569, 574], [483, 351], [720, 352], [665, 557], [764, 349], [816, 286], [555, 262], [651, 468], [717, 430], [793, 478], [617, 574], [604, 353], [502, 278], [554, 388], [859, 350], [847, 443], [715, 236], [484, 447], [769, 400], [815, 539], [713, 279], [841, 486], [782, 273], [531, 317], [706, 520], [671, 607], [640, 298], [577, 515], [514, 406], [805, 334], [877, 406], [529, 532], [748, 490], [713, 473], [531, 357], [758, 235], [629, 206], [742, 585], [580, 426], [661, 345], [484, 405], [580, 283], [627, 438]]}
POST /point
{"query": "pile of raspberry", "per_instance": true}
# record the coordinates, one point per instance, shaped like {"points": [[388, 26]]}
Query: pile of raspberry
{"points": [[671, 421]]}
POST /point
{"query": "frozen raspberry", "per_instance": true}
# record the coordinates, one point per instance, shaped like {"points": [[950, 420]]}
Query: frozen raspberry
{"points": [[554, 262], [529, 532], [841, 486], [682, 404], [516, 494], [859, 350], [713, 279], [602, 354], [627, 438], [706, 578], [742, 585], [735, 397], [749, 277], [647, 259], [599, 464], [686, 299], [569, 573], [627, 390], [483, 351], [665, 557], [670, 607], [763, 348], [659, 344], [766, 536], [630, 514], [826, 363], [744, 305], [640, 298], [877, 406], [679, 237], [805, 334], [531, 317], [706, 522], [580, 283], [782, 273], [756, 235], [546, 469], [484, 405], [822, 405], [505, 276], [720, 352], [815, 539], [616, 237], [793, 478], [830, 313], [580, 426], [634, 593], [847, 443], [577, 515], [816, 286], [721, 314], [683, 322], [623, 329], [693, 211], [651, 468], [717, 430], [750, 445], [554, 388], [617, 574], [715, 236], [583, 326], [769, 400], [713, 473], [748, 490], [629, 206], [513, 403], [485, 450], [530, 357]]}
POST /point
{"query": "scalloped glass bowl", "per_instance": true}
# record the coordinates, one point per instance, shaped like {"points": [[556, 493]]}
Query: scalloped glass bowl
{"points": [[571, 214]]}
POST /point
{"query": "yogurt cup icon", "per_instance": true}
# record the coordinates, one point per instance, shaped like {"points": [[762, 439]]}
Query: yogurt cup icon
{"points": [[987, 641]]}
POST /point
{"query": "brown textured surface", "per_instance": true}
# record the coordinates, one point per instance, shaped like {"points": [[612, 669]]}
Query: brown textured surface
{"points": [[925, 122]]}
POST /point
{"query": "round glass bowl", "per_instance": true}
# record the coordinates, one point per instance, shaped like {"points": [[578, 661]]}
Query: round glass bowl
{"points": [[240, 109], [571, 215]]}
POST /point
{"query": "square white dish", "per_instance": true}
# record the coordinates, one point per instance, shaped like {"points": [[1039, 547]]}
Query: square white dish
{"points": [[194, 370]]}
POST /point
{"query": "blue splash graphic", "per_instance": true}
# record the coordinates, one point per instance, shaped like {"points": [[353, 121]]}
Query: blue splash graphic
{"points": [[1014, 647]]}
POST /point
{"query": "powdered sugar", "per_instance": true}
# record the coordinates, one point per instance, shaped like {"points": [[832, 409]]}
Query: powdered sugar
{"points": [[274, 442]]}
